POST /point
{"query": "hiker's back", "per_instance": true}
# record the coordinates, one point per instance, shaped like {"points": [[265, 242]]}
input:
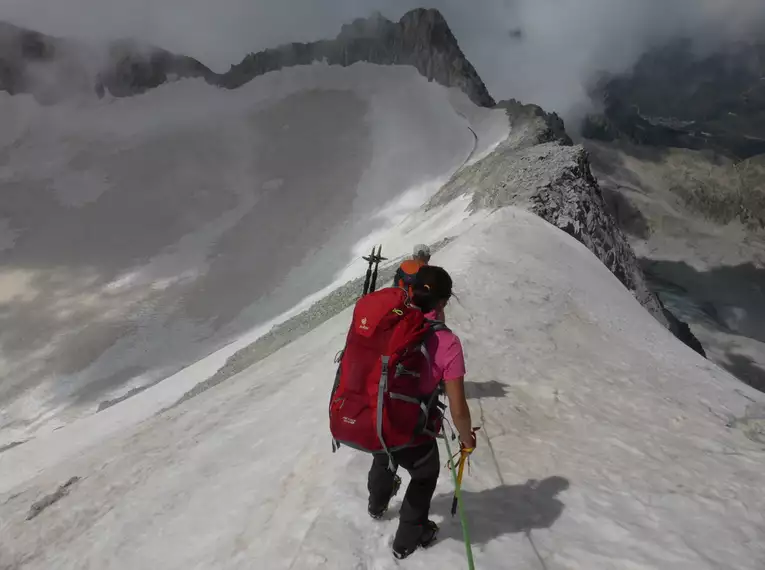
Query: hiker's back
{"points": [[380, 402]]}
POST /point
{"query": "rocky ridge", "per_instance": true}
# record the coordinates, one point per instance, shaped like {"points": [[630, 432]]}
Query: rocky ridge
{"points": [[539, 169], [422, 38]]}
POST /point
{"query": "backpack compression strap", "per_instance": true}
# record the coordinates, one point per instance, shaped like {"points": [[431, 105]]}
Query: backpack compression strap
{"points": [[380, 397]]}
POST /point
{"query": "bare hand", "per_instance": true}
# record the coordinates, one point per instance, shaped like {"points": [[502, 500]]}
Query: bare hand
{"points": [[468, 441]]}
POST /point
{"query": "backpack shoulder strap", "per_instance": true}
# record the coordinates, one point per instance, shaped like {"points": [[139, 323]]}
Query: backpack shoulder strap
{"points": [[436, 326], [398, 277]]}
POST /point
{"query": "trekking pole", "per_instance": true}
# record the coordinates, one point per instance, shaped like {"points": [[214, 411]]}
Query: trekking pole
{"points": [[378, 258], [370, 259], [458, 499]]}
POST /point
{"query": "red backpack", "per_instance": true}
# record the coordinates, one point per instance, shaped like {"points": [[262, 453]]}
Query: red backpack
{"points": [[376, 404]]}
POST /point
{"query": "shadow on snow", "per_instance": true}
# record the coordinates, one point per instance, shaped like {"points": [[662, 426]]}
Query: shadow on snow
{"points": [[506, 509]]}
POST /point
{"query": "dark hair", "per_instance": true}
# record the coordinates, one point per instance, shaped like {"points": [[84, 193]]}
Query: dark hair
{"points": [[432, 285]]}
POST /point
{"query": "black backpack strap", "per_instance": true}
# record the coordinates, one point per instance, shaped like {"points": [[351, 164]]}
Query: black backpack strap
{"points": [[436, 409], [436, 326], [399, 276]]}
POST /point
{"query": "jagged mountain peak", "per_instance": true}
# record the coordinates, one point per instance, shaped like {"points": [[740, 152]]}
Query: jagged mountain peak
{"points": [[422, 38]]}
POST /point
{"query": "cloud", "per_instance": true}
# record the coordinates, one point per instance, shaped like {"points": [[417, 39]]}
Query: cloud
{"points": [[542, 51], [563, 43]]}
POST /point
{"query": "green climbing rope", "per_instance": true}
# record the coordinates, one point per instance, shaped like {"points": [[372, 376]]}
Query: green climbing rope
{"points": [[458, 494]]}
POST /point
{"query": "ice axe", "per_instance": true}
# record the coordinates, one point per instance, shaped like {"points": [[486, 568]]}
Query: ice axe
{"points": [[464, 454]]}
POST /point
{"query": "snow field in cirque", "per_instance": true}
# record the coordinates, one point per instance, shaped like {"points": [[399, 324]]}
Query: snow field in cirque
{"points": [[603, 443], [139, 235]]}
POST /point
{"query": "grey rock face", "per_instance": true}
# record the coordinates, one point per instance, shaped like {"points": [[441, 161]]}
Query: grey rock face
{"points": [[571, 200], [531, 124], [131, 70], [51, 499], [545, 174], [421, 38], [555, 182], [682, 331]]}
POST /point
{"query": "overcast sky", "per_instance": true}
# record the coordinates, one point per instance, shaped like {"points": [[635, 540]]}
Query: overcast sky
{"points": [[562, 43]]}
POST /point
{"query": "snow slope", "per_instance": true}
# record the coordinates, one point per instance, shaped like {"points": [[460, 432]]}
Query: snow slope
{"points": [[139, 235], [575, 385]]}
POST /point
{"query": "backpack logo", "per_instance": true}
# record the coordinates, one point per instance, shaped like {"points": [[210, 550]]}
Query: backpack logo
{"points": [[363, 326]]}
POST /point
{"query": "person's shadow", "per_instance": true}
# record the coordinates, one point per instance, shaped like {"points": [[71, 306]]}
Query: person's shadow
{"points": [[485, 389], [504, 510]]}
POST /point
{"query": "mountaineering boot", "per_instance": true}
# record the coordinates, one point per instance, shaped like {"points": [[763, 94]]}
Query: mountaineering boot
{"points": [[377, 513], [428, 537]]}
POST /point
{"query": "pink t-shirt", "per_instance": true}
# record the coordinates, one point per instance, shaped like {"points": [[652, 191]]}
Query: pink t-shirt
{"points": [[446, 356]]}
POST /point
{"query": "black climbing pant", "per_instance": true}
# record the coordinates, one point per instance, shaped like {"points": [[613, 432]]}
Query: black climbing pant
{"points": [[423, 465]]}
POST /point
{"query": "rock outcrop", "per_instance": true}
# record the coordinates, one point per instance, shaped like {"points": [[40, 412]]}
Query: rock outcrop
{"points": [[530, 124], [537, 168], [421, 38], [131, 69]]}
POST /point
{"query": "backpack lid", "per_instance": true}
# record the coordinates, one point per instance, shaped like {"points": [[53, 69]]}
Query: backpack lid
{"points": [[375, 310]]}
